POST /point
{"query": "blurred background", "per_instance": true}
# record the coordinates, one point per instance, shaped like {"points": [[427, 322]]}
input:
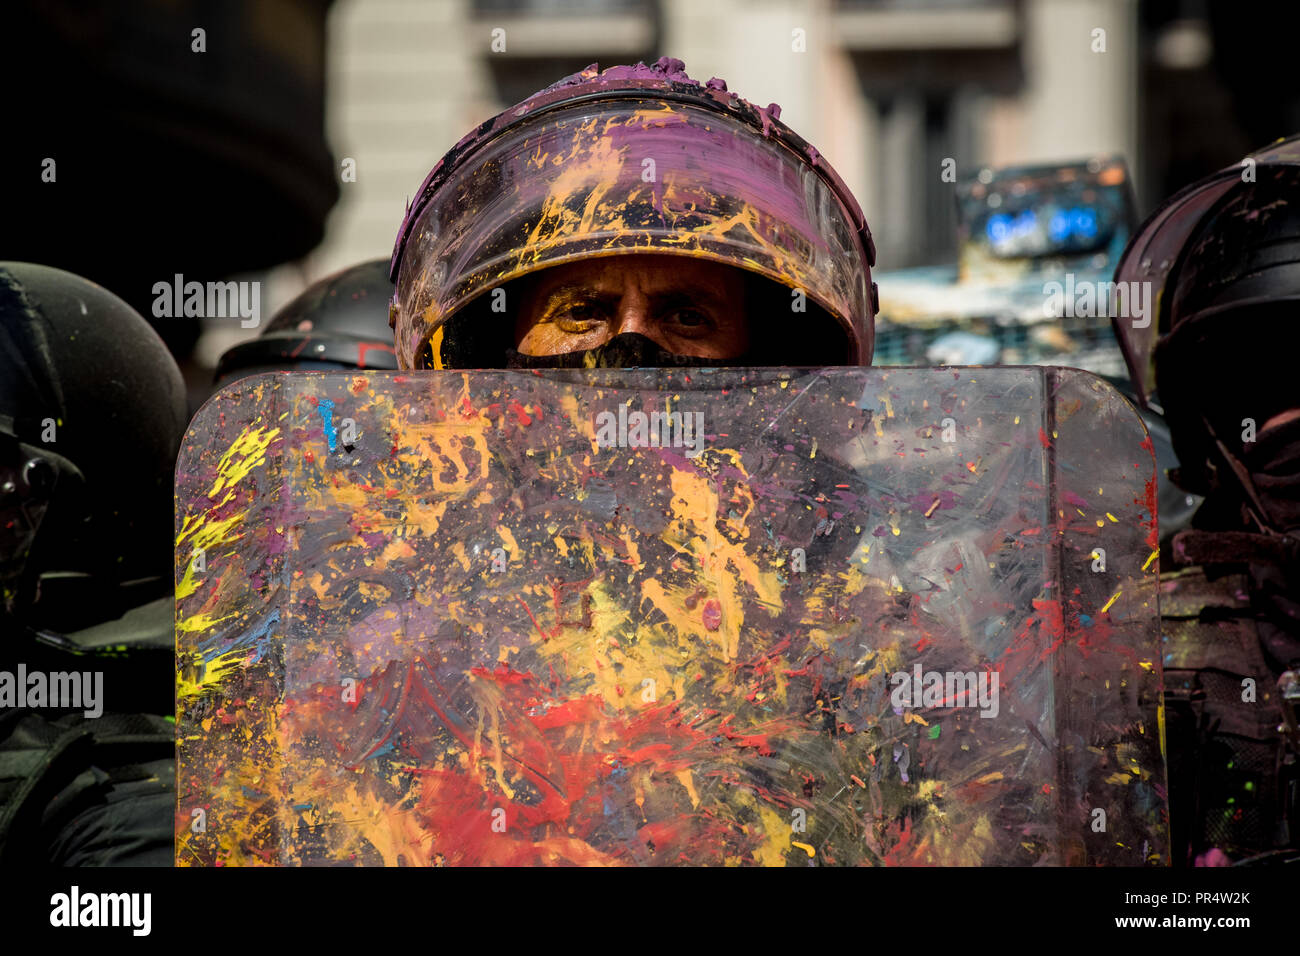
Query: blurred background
{"points": [[288, 146]]}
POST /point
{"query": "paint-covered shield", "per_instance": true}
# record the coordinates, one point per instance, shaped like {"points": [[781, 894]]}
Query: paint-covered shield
{"points": [[847, 616]]}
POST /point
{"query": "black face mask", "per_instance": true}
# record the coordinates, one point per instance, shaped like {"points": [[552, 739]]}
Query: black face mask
{"points": [[625, 350], [1271, 559], [1274, 465]]}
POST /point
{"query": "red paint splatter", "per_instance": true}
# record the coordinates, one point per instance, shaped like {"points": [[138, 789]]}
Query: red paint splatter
{"points": [[1153, 530], [712, 615], [904, 851]]}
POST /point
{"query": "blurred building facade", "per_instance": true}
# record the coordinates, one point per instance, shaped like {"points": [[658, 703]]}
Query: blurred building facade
{"points": [[887, 91]]}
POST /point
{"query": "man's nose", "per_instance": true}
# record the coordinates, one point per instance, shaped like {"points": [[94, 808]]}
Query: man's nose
{"points": [[634, 314]]}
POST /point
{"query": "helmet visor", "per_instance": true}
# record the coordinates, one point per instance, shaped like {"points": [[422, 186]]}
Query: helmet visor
{"points": [[1157, 245], [636, 174]]}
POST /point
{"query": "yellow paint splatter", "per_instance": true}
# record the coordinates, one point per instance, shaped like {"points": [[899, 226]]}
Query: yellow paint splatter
{"points": [[208, 674], [201, 621]]}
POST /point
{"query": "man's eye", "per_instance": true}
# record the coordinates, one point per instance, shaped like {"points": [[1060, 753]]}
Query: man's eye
{"points": [[689, 320], [580, 317]]}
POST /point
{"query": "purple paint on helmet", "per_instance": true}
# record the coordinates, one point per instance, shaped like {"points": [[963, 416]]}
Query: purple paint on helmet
{"points": [[812, 209]]}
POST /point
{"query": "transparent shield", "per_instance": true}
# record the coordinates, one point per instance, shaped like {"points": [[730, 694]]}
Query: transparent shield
{"points": [[654, 617]]}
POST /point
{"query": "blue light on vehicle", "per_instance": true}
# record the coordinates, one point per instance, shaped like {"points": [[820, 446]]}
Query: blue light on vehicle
{"points": [[1058, 228], [998, 228], [1004, 227], [1084, 222]]}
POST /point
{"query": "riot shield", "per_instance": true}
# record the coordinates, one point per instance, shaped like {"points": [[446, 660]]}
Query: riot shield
{"points": [[655, 617]]}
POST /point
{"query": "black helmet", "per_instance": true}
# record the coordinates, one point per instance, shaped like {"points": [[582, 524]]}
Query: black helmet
{"points": [[1223, 256], [1229, 310], [92, 412], [338, 322]]}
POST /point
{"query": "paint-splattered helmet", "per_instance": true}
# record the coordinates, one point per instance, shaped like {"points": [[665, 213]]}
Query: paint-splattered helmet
{"points": [[632, 159]]}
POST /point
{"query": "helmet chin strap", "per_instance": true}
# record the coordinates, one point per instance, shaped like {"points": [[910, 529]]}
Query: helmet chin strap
{"points": [[1255, 509], [1270, 544]]}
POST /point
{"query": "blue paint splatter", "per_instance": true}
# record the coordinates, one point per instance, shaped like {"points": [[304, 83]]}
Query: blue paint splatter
{"points": [[326, 410], [387, 748]]}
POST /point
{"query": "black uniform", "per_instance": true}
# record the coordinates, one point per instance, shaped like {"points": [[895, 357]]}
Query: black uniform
{"points": [[92, 411]]}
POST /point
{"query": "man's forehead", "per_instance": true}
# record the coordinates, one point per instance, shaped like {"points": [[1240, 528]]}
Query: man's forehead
{"points": [[649, 273]]}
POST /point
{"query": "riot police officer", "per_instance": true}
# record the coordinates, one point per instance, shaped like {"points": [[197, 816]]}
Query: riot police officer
{"points": [[633, 217], [92, 410], [1223, 256]]}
